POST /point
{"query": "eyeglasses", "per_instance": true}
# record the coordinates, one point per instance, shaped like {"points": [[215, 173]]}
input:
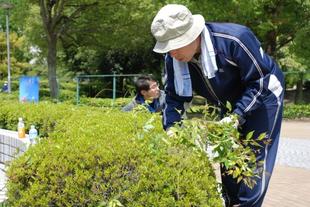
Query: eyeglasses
{"points": [[154, 86]]}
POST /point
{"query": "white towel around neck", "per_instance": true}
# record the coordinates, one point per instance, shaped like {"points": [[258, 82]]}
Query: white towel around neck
{"points": [[182, 80]]}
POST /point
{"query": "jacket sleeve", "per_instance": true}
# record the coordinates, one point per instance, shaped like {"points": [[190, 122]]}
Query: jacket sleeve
{"points": [[254, 72], [130, 106], [174, 104], [172, 112]]}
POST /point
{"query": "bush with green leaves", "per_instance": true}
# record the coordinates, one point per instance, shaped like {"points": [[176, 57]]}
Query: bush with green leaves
{"points": [[105, 102], [43, 115], [104, 157], [291, 111], [296, 111], [223, 142]]}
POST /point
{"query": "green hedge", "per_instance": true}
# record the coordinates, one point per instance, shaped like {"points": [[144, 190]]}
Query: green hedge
{"points": [[294, 111], [291, 111], [43, 115], [95, 156], [105, 102], [70, 98]]}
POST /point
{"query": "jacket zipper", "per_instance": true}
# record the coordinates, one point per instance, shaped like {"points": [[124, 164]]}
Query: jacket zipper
{"points": [[208, 85]]}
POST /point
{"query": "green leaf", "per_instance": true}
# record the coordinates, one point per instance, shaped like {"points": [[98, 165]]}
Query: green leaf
{"points": [[228, 106], [261, 136], [249, 135]]}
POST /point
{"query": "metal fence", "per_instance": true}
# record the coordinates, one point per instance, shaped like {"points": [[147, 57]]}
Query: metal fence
{"points": [[297, 84], [114, 76]]}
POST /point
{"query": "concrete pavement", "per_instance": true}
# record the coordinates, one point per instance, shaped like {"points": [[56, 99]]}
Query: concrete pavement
{"points": [[289, 187], [290, 183]]}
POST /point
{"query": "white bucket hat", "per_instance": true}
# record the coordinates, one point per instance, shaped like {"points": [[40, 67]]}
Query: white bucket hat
{"points": [[174, 27]]}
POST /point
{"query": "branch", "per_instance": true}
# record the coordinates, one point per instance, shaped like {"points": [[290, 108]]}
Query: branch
{"points": [[43, 11], [44, 15], [81, 8], [74, 15], [103, 3], [58, 11]]}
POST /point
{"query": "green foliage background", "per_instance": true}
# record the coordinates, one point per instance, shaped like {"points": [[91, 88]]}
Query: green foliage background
{"points": [[115, 35], [301, 111]]}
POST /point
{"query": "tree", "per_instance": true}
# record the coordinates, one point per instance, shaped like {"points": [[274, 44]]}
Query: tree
{"points": [[114, 36], [19, 58], [96, 36], [56, 15], [275, 22]]}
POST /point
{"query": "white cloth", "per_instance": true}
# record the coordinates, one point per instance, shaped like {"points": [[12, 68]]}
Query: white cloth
{"points": [[208, 56], [182, 81], [182, 78]]}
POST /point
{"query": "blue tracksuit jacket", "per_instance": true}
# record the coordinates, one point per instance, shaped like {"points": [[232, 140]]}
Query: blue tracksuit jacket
{"points": [[252, 82]]}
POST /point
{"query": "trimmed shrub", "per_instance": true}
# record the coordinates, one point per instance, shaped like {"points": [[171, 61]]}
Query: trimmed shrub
{"points": [[44, 115], [94, 157], [105, 102], [296, 111]]}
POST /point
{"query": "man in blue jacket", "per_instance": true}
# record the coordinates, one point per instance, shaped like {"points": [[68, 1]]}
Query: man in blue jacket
{"points": [[148, 94], [222, 62], [5, 87]]}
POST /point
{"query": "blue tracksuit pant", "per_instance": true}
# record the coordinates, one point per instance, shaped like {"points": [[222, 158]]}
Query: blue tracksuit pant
{"points": [[265, 119]]}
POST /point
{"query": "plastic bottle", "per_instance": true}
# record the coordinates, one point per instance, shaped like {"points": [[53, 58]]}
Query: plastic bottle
{"points": [[33, 133], [21, 128]]}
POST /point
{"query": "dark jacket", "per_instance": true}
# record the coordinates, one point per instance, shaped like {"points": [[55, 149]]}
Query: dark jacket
{"points": [[245, 77], [5, 88]]}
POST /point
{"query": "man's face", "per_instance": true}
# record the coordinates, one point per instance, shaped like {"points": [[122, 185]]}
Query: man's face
{"points": [[153, 92], [186, 53]]}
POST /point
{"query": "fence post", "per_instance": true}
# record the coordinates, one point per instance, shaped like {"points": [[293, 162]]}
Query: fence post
{"points": [[77, 90], [114, 88]]}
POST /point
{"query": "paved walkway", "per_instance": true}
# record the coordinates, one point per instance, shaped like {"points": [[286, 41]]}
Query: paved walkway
{"points": [[294, 153], [290, 182]]}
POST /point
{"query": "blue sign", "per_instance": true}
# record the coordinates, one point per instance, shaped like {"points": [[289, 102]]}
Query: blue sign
{"points": [[29, 89]]}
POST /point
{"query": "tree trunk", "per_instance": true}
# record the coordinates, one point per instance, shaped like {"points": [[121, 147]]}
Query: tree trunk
{"points": [[52, 13], [271, 43], [299, 89], [51, 64]]}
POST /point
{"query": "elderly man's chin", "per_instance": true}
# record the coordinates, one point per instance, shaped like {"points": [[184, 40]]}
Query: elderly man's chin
{"points": [[185, 59]]}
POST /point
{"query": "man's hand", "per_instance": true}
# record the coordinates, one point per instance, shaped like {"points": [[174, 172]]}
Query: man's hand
{"points": [[232, 119], [170, 133]]}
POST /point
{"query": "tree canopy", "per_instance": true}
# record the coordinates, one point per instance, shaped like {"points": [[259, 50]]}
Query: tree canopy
{"points": [[98, 37]]}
